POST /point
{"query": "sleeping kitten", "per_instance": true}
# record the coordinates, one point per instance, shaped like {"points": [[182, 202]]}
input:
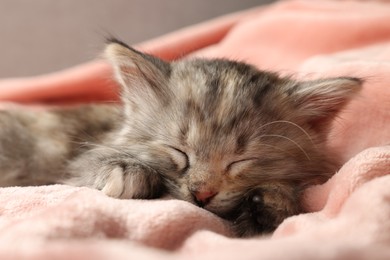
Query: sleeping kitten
{"points": [[239, 142]]}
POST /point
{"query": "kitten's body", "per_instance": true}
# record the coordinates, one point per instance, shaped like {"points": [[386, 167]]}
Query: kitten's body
{"points": [[36, 145], [237, 141]]}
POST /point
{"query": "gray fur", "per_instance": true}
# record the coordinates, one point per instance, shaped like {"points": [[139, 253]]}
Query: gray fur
{"points": [[240, 142]]}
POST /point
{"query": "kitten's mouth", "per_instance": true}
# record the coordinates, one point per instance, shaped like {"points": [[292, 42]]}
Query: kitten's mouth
{"points": [[202, 201]]}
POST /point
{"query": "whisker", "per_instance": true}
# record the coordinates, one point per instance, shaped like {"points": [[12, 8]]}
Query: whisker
{"points": [[105, 147], [291, 123], [277, 148], [289, 139]]}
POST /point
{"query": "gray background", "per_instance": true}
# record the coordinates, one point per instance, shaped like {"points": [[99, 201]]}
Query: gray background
{"points": [[40, 36]]}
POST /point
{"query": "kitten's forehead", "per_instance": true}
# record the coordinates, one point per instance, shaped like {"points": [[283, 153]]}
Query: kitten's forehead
{"points": [[215, 75], [218, 84]]}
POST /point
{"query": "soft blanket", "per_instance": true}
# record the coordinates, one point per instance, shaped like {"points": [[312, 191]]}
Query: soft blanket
{"points": [[349, 216]]}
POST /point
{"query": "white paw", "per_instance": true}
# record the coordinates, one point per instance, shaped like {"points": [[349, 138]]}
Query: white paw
{"points": [[115, 183]]}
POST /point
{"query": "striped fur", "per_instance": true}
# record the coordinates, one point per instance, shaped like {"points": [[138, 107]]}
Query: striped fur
{"points": [[240, 142]]}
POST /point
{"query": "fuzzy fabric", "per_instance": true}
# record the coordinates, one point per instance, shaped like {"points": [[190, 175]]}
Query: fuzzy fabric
{"points": [[349, 216]]}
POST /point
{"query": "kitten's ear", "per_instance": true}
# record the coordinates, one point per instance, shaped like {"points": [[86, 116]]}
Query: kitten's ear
{"points": [[319, 100], [137, 72]]}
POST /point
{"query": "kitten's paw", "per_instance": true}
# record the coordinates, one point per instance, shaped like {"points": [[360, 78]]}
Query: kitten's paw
{"points": [[123, 178], [131, 181], [115, 183]]}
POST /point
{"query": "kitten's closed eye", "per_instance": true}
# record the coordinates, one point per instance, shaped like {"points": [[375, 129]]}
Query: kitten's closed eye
{"points": [[236, 167], [179, 157]]}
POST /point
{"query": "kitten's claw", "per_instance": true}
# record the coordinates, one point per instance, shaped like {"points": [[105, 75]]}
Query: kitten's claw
{"points": [[115, 183]]}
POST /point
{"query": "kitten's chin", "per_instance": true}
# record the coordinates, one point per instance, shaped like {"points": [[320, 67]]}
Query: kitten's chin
{"points": [[222, 206], [219, 211]]}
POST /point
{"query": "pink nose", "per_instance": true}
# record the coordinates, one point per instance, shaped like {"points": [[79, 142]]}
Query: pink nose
{"points": [[204, 197]]}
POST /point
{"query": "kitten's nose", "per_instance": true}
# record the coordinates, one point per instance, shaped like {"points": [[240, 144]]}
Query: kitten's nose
{"points": [[202, 198]]}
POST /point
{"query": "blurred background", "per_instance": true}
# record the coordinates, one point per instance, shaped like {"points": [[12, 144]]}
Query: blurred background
{"points": [[41, 36]]}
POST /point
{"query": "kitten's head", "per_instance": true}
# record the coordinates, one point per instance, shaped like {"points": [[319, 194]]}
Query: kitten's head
{"points": [[240, 142]]}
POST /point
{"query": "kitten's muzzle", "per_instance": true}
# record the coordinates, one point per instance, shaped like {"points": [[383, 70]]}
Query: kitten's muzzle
{"points": [[203, 197]]}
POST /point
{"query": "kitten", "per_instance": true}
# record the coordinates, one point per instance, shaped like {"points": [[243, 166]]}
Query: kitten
{"points": [[239, 142]]}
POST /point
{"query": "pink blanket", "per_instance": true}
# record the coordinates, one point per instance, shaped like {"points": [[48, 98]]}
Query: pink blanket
{"points": [[349, 215]]}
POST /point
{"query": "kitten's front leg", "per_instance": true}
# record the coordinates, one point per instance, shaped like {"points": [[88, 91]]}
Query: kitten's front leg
{"points": [[117, 175]]}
